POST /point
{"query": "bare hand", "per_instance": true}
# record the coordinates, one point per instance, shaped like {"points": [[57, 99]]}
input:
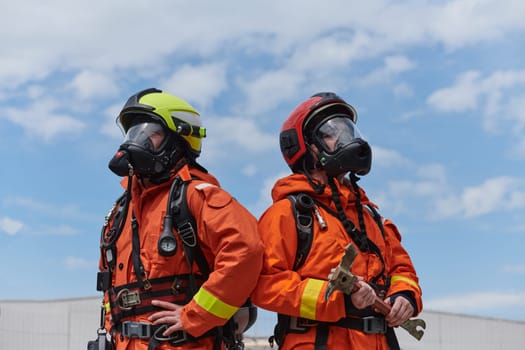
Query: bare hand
{"points": [[170, 315], [401, 311], [364, 296]]}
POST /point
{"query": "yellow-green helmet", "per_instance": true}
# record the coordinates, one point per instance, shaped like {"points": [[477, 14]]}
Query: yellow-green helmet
{"points": [[173, 112]]}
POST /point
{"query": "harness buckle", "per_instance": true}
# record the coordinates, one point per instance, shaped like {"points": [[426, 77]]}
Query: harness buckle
{"points": [[141, 330], [299, 324], [374, 325], [127, 299], [176, 338]]}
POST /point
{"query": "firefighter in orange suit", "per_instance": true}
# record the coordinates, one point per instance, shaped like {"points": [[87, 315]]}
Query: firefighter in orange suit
{"points": [[169, 284], [322, 145]]}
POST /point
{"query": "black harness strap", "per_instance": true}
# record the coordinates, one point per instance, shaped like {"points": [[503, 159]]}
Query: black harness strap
{"points": [[302, 206], [185, 226], [140, 272], [321, 337], [108, 239], [358, 236]]}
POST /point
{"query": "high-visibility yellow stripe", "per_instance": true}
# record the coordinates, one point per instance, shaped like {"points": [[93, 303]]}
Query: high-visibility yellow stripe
{"points": [[309, 298], [214, 305], [107, 307], [404, 279]]}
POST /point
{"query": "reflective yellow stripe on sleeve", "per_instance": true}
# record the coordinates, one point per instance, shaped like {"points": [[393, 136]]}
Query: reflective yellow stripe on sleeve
{"points": [[214, 305], [404, 279], [309, 298], [107, 308]]}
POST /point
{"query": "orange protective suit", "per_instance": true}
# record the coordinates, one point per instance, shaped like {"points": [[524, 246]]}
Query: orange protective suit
{"points": [[227, 235], [301, 293]]}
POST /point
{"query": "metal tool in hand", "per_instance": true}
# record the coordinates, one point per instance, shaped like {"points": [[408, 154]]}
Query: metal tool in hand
{"points": [[342, 279]]}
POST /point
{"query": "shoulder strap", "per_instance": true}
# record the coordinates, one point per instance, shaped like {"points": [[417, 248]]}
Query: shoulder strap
{"points": [[109, 236], [302, 207], [186, 227]]}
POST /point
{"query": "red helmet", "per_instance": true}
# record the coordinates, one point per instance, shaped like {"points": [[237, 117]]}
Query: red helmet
{"points": [[293, 137]]}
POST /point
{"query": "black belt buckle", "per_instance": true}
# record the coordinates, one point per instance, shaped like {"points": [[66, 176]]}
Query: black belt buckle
{"points": [[299, 324], [176, 338], [141, 330], [374, 325]]}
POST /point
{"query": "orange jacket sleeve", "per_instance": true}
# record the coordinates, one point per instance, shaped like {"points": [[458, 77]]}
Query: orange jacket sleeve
{"points": [[280, 288], [402, 274], [228, 238]]}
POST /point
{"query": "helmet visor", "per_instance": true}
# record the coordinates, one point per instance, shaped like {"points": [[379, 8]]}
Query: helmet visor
{"points": [[148, 135], [336, 132]]}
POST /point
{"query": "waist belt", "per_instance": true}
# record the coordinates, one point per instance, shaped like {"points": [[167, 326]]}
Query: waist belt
{"points": [[143, 330], [368, 324], [131, 300]]}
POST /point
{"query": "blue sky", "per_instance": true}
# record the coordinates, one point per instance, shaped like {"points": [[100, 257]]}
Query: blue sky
{"points": [[439, 87]]}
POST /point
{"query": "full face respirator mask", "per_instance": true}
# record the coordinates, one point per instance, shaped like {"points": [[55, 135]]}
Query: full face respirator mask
{"points": [[342, 149], [145, 151]]}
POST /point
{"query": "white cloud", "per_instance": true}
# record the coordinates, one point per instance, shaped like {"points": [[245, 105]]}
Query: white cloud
{"points": [[494, 96], [89, 84], [120, 44], [393, 65], [403, 90], [460, 23], [109, 126], [406, 116], [495, 194], [270, 89], [10, 226], [241, 132], [197, 83], [41, 120], [387, 157], [461, 96], [477, 301]]}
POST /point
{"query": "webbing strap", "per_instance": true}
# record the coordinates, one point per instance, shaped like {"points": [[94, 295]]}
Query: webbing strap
{"points": [[140, 272], [321, 337], [185, 226], [358, 236], [304, 225], [391, 339]]}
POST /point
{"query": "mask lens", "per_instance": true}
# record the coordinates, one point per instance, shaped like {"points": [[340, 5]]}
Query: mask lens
{"points": [[336, 133], [148, 135]]}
